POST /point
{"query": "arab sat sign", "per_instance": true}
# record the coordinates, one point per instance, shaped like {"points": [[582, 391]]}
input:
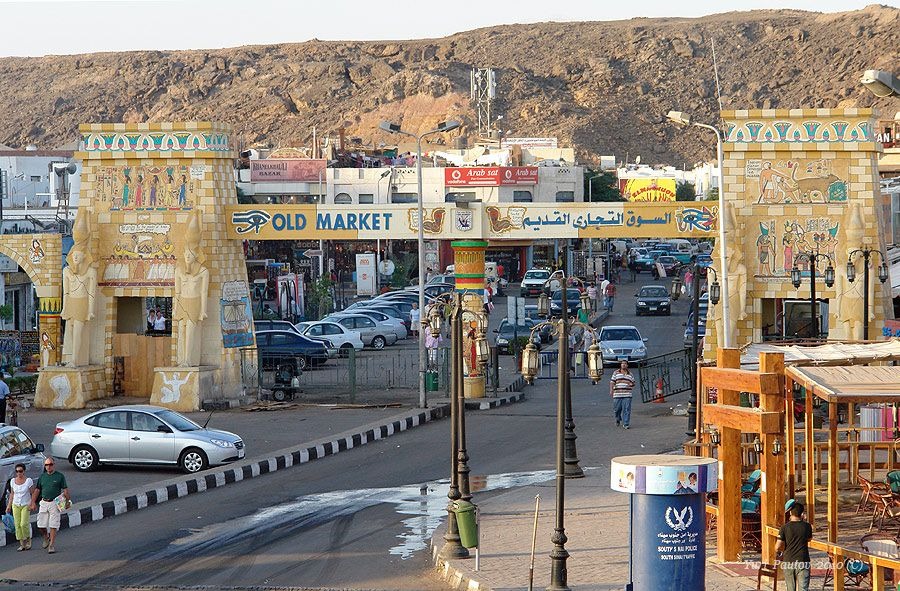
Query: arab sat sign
{"points": [[648, 190], [490, 176]]}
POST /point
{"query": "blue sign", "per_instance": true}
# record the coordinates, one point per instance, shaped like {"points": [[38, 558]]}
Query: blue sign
{"points": [[668, 542]]}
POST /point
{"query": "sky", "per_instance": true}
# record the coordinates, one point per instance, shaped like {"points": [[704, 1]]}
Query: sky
{"points": [[44, 27]]}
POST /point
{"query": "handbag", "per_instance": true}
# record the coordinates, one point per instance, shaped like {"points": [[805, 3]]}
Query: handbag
{"points": [[9, 523]]}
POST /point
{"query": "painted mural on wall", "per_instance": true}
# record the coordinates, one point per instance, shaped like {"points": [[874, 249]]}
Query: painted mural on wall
{"points": [[777, 247], [236, 315], [142, 256], [808, 131], [157, 141], [797, 181], [148, 188]]}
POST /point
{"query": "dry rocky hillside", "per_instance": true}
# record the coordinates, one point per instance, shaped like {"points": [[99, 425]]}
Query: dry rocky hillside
{"points": [[600, 86]]}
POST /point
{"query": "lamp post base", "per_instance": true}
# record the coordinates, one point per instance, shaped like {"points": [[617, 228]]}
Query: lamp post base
{"points": [[572, 469], [452, 547], [558, 571]]}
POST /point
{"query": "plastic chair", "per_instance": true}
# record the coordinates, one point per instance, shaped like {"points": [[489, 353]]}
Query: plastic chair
{"points": [[856, 573], [750, 505], [866, 487], [893, 481], [753, 482]]}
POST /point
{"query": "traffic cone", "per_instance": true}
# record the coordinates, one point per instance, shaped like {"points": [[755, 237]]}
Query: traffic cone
{"points": [[660, 397]]}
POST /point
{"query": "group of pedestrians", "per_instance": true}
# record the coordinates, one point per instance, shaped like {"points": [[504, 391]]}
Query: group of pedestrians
{"points": [[49, 496]]}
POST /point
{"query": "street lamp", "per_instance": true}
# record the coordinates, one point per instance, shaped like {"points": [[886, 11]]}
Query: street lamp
{"points": [[566, 457], [851, 277], [395, 128], [684, 119], [811, 258], [880, 83], [459, 457]]}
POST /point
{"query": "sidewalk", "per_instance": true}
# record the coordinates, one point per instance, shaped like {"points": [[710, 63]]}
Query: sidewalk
{"points": [[597, 528]]}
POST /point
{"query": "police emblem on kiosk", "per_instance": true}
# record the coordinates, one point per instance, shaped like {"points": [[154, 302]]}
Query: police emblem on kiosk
{"points": [[679, 520]]}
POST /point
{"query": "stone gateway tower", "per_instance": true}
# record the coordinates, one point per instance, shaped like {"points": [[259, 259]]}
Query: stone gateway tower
{"points": [[150, 234]]}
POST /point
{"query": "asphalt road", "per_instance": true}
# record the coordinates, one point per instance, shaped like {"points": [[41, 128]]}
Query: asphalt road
{"points": [[360, 519]]}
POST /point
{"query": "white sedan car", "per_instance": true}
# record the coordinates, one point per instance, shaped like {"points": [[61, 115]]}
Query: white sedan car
{"points": [[333, 334], [395, 324]]}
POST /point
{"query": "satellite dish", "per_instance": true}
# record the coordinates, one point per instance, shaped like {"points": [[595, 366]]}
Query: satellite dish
{"points": [[386, 267], [637, 159]]}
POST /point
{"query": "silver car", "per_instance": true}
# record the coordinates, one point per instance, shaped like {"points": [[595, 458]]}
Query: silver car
{"points": [[17, 448], [621, 343], [395, 324], [372, 334], [143, 434]]}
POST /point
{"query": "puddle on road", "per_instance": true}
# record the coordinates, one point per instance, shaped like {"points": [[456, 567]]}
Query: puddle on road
{"points": [[424, 504]]}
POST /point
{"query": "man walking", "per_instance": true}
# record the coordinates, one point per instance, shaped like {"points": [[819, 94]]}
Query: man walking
{"points": [[4, 392], [415, 319], [793, 546], [621, 388], [49, 486], [610, 295]]}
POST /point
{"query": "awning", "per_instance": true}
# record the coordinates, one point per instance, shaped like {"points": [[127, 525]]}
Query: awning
{"points": [[825, 355], [853, 383]]}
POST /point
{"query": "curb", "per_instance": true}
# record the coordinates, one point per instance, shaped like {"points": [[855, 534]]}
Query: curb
{"points": [[489, 403], [167, 490], [455, 579]]}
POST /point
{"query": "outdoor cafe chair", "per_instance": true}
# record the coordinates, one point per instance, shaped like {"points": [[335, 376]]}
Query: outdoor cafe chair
{"points": [[881, 545], [887, 507], [866, 487], [752, 483], [751, 532], [856, 573]]}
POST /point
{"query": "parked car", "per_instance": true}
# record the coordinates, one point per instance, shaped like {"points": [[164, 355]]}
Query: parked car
{"points": [[17, 447], [372, 334], [647, 263], [669, 263], [274, 325], [335, 335], [395, 324], [689, 328], [546, 331], [653, 299], [410, 296], [446, 278], [289, 349], [508, 331], [432, 290], [621, 343], [388, 309], [704, 260], [573, 302], [143, 434], [533, 282]]}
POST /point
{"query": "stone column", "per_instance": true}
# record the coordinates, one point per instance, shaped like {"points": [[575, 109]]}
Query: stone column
{"points": [[468, 260]]}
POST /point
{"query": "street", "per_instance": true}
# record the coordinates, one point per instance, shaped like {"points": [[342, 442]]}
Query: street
{"points": [[360, 519]]}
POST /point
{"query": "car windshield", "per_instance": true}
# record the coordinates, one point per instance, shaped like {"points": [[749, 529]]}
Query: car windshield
{"points": [[523, 329], [537, 274], [619, 334], [177, 421], [571, 296], [656, 253], [666, 259], [653, 292]]}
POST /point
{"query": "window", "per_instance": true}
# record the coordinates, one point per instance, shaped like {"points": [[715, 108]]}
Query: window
{"points": [[110, 420], [315, 331], [9, 445], [280, 339], [366, 198], [178, 421], [342, 199], [24, 443], [35, 178], [455, 196], [143, 422], [522, 196], [347, 323], [565, 196], [364, 322], [331, 329], [404, 198]]}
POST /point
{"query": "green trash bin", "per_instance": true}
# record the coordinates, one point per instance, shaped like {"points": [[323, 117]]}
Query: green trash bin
{"points": [[431, 381], [465, 522]]}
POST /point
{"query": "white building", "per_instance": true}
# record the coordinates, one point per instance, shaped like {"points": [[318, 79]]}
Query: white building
{"points": [[30, 186]]}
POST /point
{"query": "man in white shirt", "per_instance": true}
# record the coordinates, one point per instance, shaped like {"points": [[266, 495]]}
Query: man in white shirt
{"points": [[621, 388], [159, 325], [415, 317]]}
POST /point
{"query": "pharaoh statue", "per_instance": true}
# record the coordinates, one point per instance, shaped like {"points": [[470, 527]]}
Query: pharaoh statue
{"points": [[79, 294], [737, 284], [191, 290], [850, 302]]}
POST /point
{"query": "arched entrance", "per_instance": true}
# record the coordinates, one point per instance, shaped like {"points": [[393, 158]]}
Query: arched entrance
{"points": [[40, 257]]}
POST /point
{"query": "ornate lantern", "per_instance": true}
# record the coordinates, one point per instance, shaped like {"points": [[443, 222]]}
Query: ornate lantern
{"points": [[595, 363], [676, 288], [530, 361]]}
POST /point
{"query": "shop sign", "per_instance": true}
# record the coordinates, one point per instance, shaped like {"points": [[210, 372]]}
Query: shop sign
{"points": [[490, 176], [650, 190], [287, 170], [530, 142]]}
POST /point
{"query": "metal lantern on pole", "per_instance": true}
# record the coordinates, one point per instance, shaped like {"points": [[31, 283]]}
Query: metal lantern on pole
{"points": [[435, 320], [883, 272], [585, 302], [530, 361], [851, 271], [795, 277], [829, 276], [482, 349], [715, 292], [676, 288], [594, 363], [543, 305]]}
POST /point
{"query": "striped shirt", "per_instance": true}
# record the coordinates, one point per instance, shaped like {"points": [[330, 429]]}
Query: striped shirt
{"points": [[622, 384]]}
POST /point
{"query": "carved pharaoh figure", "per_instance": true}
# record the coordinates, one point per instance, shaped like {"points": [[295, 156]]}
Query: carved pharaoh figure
{"points": [[850, 301], [79, 294], [191, 291]]}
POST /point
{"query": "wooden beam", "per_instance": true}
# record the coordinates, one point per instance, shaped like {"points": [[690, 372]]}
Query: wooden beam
{"points": [[789, 437], [809, 472], [729, 521], [833, 472], [772, 466], [748, 420], [742, 380]]}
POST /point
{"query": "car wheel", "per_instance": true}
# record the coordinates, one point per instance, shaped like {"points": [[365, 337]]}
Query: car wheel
{"points": [[302, 362], [193, 460], [378, 342], [345, 350], [85, 458], [279, 395]]}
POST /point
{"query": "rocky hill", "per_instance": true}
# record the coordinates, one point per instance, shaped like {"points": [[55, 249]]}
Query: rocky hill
{"points": [[600, 86]]}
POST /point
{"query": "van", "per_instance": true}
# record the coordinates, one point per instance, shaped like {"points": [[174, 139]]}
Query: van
{"points": [[682, 250]]}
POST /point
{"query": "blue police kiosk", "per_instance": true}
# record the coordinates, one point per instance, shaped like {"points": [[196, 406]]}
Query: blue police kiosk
{"points": [[668, 519]]}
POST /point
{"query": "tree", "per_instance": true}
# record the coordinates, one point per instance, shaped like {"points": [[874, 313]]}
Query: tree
{"points": [[603, 187], [685, 192], [712, 194], [242, 197]]}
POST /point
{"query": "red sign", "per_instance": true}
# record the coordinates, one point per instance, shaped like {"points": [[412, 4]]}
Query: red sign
{"points": [[287, 170], [490, 176]]}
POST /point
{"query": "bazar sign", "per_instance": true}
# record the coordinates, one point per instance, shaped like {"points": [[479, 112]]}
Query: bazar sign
{"points": [[281, 170], [490, 176], [262, 222], [651, 190]]}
